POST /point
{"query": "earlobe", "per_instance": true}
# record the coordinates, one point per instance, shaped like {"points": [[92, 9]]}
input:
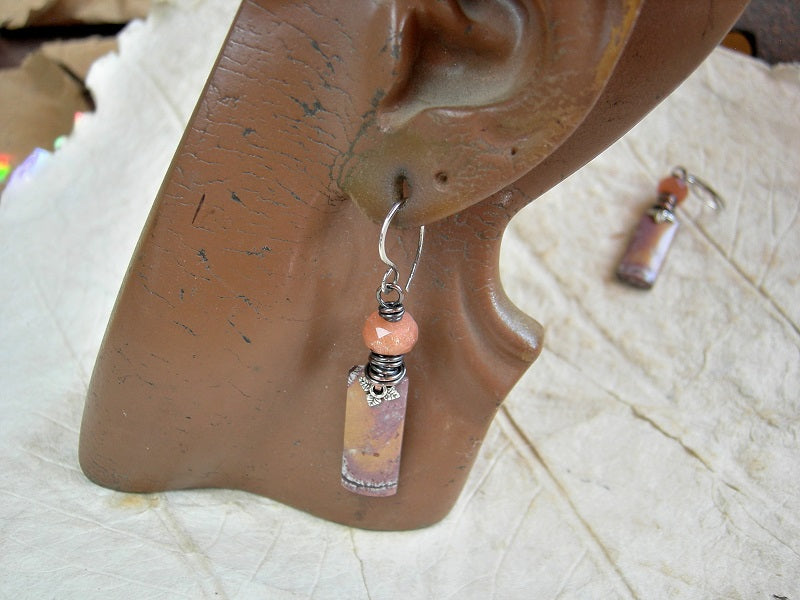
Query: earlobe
{"points": [[483, 92]]}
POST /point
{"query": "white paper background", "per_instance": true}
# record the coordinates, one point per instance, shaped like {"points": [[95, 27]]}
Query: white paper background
{"points": [[651, 452]]}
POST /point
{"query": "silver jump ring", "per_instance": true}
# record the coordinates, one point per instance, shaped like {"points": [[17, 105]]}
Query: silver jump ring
{"points": [[385, 290], [679, 173]]}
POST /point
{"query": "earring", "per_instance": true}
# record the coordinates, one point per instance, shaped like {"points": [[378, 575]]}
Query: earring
{"points": [[377, 392], [653, 237]]}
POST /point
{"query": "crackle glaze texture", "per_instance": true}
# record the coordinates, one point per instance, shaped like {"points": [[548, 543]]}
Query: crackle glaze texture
{"points": [[241, 311]]}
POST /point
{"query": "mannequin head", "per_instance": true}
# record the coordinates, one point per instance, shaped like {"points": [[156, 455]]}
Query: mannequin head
{"points": [[239, 316]]}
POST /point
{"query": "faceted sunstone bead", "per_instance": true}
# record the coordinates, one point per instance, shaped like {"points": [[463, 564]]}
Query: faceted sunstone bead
{"points": [[390, 338]]}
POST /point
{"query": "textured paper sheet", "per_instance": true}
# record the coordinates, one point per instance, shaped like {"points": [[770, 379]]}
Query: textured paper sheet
{"points": [[651, 452]]}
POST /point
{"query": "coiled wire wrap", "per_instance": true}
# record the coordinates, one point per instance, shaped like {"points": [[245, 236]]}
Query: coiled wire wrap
{"points": [[391, 311], [385, 370]]}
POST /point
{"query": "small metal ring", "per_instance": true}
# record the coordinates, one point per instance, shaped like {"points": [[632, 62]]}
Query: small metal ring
{"points": [[679, 173], [386, 289]]}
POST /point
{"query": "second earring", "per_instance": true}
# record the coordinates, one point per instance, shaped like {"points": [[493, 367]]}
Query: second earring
{"points": [[652, 238], [378, 391]]}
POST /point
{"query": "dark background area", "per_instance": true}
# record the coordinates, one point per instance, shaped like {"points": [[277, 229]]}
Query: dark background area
{"points": [[774, 26]]}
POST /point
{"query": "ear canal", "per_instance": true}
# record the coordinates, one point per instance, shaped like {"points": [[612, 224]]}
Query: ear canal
{"points": [[459, 54]]}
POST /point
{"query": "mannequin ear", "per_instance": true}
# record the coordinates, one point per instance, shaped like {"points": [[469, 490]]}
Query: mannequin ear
{"points": [[483, 91]]}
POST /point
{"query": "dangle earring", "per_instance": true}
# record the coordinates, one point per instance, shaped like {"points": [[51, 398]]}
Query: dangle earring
{"points": [[377, 392], [653, 236]]}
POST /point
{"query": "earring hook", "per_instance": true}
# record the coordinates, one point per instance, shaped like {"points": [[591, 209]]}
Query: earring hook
{"points": [[709, 196], [393, 271]]}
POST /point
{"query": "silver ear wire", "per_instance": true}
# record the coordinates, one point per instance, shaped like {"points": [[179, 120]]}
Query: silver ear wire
{"points": [[393, 272], [709, 196]]}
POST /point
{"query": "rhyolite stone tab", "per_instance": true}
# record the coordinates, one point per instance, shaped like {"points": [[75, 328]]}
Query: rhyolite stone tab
{"points": [[373, 439]]}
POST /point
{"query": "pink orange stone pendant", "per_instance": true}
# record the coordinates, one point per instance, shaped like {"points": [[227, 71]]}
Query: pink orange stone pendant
{"points": [[373, 436], [378, 391], [642, 261]]}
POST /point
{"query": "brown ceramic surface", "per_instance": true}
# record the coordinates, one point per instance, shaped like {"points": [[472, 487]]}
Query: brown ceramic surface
{"points": [[225, 359]]}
